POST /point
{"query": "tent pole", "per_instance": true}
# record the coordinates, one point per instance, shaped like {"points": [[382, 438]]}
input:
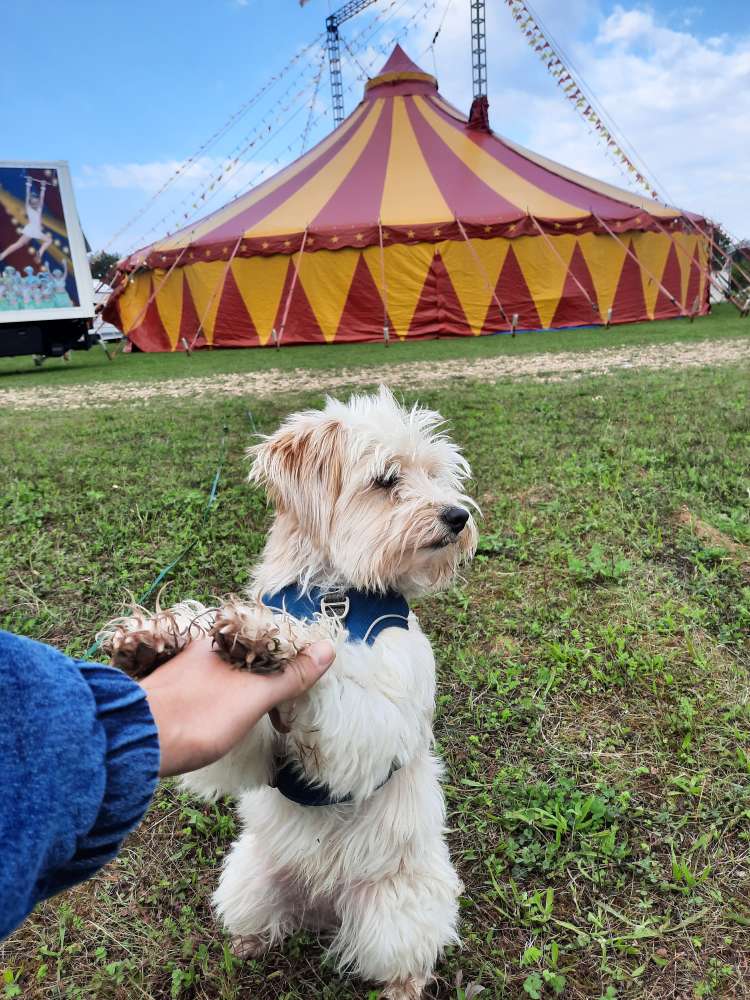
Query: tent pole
{"points": [[566, 267], [488, 283], [641, 266], [219, 288], [386, 331], [292, 286], [706, 273]]}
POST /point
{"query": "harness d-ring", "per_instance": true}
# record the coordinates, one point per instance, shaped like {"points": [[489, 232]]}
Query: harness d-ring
{"points": [[335, 604]]}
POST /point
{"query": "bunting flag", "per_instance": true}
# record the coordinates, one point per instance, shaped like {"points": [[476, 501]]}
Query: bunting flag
{"points": [[468, 219], [540, 44]]}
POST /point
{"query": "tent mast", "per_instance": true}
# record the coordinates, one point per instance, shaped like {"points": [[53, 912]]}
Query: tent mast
{"points": [[479, 114], [333, 21]]}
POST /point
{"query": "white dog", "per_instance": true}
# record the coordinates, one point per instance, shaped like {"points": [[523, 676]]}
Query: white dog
{"points": [[342, 815]]}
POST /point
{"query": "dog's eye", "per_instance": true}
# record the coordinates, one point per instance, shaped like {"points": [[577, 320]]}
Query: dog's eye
{"points": [[387, 481]]}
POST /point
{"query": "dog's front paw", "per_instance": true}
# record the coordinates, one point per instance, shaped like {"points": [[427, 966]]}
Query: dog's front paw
{"points": [[250, 636], [140, 642]]}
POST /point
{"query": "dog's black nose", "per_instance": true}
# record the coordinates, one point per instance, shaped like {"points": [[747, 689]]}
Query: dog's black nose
{"points": [[455, 518]]}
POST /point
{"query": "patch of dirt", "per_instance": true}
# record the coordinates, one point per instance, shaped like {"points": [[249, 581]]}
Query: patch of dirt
{"points": [[536, 495], [706, 533], [565, 366]]}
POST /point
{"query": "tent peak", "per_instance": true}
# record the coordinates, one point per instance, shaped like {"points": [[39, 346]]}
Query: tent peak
{"points": [[400, 70], [399, 62]]}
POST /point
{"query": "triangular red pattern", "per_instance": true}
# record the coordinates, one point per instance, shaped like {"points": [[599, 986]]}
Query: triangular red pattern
{"points": [[150, 334], [694, 287], [189, 320], [574, 309], [233, 326], [515, 297], [425, 322], [629, 304], [451, 316], [362, 315], [301, 324], [671, 279]]}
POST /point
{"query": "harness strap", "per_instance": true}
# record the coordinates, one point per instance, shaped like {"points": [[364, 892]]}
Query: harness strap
{"points": [[364, 615], [295, 787]]}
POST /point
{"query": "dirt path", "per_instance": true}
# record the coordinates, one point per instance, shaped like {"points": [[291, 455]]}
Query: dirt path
{"points": [[542, 367]]}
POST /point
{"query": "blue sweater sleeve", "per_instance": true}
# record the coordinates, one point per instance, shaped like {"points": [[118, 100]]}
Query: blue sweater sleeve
{"points": [[79, 762]]}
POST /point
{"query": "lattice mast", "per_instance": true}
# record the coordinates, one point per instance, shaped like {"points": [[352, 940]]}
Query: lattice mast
{"points": [[479, 114], [333, 22]]}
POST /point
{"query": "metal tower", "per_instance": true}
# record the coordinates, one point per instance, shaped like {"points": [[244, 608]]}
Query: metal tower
{"points": [[479, 116], [478, 48], [334, 53]]}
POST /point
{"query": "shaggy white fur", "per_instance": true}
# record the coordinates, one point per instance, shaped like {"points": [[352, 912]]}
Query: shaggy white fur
{"points": [[368, 495]]}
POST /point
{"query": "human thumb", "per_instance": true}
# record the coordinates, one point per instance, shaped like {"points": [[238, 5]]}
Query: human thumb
{"points": [[303, 671], [314, 661]]}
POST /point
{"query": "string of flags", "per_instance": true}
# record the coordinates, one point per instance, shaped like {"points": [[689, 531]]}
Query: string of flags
{"points": [[195, 201], [262, 128], [268, 127], [571, 88], [184, 167]]}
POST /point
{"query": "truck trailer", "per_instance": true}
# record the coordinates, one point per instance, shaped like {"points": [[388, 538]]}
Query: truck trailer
{"points": [[46, 291]]}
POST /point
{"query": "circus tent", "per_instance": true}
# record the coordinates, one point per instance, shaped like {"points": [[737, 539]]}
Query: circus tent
{"points": [[410, 219]]}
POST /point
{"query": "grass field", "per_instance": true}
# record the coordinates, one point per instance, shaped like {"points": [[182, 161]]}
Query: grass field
{"points": [[594, 696], [92, 366]]}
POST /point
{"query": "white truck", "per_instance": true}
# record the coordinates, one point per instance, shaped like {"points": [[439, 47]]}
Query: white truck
{"points": [[46, 291]]}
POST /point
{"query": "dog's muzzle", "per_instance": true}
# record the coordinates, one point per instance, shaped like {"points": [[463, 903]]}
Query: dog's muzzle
{"points": [[454, 518]]}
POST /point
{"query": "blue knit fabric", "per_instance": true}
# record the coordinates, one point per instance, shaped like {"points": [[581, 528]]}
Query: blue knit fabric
{"points": [[79, 762]]}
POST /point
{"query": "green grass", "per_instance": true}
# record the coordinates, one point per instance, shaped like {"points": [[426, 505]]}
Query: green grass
{"points": [[93, 366], [594, 698]]}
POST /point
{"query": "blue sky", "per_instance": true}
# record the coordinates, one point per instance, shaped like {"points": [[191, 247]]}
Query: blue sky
{"points": [[126, 92]]}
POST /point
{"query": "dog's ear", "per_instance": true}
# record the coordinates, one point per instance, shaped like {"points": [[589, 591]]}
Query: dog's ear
{"points": [[300, 466]]}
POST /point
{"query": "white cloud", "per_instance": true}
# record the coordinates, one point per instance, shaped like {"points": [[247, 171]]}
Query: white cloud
{"points": [[626, 26], [182, 202], [149, 177]]}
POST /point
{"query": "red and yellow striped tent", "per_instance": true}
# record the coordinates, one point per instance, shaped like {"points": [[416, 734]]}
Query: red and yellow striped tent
{"points": [[409, 216]]}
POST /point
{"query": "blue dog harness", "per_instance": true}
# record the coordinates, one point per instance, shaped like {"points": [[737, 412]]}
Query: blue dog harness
{"points": [[364, 615]]}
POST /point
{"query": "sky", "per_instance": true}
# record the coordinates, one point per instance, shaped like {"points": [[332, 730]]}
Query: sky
{"points": [[127, 93]]}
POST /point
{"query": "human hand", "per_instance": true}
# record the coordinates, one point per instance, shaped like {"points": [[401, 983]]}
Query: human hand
{"points": [[202, 706]]}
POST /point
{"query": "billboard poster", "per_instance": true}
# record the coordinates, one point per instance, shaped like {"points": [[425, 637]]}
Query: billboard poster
{"points": [[44, 271]]}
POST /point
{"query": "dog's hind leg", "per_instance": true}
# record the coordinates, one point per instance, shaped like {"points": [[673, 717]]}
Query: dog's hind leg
{"points": [[394, 930], [140, 642], [252, 901]]}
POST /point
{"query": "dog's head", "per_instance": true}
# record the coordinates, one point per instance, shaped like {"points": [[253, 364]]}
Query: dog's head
{"points": [[368, 494]]}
